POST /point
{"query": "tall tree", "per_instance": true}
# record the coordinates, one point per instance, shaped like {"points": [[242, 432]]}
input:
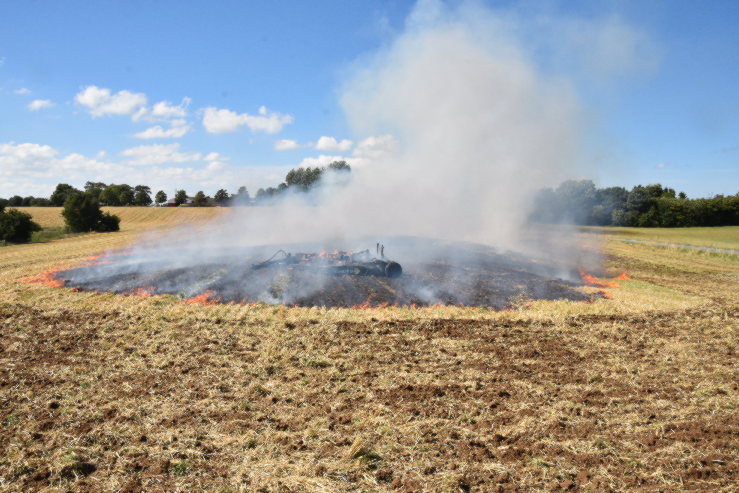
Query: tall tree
{"points": [[60, 194], [221, 196], [81, 212], [160, 197], [94, 188], [200, 199], [142, 195], [180, 197]]}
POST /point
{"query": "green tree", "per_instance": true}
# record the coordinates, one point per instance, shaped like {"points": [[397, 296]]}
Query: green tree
{"points": [[60, 194], [142, 195], [108, 222], [221, 196], [339, 166], [160, 197], [15, 201], [126, 196], [16, 226], [117, 195], [180, 197], [40, 202], [81, 213], [94, 188], [200, 199]]}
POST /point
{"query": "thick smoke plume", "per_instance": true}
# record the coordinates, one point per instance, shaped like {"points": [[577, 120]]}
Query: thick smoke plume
{"points": [[477, 129], [474, 127]]}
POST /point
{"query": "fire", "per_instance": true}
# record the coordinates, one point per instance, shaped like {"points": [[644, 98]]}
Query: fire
{"points": [[593, 281], [364, 306], [144, 292], [47, 278], [206, 298]]}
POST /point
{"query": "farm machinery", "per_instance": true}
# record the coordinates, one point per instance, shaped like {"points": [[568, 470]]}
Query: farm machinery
{"points": [[338, 262]]}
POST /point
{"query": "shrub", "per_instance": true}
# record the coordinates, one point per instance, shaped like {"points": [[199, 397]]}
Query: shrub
{"points": [[109, 222], [17, 226], [82, 214]]}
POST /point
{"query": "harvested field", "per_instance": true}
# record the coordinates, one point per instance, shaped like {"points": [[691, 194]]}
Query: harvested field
{"points": [[104, 392]]}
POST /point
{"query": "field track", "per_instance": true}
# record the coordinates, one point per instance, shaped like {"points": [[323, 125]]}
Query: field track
{"points": [[638, 392]]}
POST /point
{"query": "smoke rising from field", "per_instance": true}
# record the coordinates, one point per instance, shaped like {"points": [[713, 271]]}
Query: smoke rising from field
{"points": [[478, 125]]}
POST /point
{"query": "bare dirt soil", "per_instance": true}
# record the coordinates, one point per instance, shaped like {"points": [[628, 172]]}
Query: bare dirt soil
{"points": [[93, 402]]}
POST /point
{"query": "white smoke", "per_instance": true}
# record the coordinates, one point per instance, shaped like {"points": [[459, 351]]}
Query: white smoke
{"points": [[478, 126]]}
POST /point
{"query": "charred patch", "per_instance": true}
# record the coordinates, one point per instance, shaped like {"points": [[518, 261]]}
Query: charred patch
{"points": [[454, 275]]}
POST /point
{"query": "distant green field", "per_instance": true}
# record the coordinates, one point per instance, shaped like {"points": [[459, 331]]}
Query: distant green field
{"points": [[726, 237]]}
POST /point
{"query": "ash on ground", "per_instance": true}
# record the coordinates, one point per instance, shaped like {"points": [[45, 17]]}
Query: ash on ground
{"points": [[434, 272]]}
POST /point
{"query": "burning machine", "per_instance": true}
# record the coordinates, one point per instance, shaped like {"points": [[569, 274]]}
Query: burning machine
{"points": [[359, 263]]}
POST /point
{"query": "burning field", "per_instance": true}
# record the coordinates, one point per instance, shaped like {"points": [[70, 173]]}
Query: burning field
{"points": [[633, 391], [432, 273]]}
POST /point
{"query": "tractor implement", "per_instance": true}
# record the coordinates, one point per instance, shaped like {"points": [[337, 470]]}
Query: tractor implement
{"points": [[338, 262]]}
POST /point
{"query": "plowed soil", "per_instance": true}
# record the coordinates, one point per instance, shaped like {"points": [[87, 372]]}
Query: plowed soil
{"points": [[103, 400]]}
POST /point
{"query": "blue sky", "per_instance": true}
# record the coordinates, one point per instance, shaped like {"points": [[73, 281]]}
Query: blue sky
{"points": [[205, 95]]}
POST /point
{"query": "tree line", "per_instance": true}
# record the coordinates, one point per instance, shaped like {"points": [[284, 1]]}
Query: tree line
{"points": [[82, 213], [298, 179], [650, 206]]}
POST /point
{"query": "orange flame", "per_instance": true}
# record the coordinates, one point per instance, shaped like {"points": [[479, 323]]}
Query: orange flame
{"points": [[144, 292], [593, 281], [207, 298], [47, 278], [622, 277], [364, 306]]}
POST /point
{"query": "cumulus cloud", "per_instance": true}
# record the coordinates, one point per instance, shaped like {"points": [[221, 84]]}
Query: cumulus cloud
{"points": [[38, 104], [162, 111], [22, 91], [159, 154], [286, 145], [217, 121], [100, 101], [331, 145], [178, 128]]}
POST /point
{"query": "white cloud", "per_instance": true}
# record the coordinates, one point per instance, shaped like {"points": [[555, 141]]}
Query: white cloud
{"points": [[286, 145], [330, 144], [16, 156], [162, 111], [38, 104], [217, 121], [662, 165], [100, 101], [159, 154], [22, 91], [376, 147], [177, 129]]}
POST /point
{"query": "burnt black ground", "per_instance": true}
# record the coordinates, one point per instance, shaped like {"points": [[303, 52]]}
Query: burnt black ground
{"points": [[433, 272]]}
